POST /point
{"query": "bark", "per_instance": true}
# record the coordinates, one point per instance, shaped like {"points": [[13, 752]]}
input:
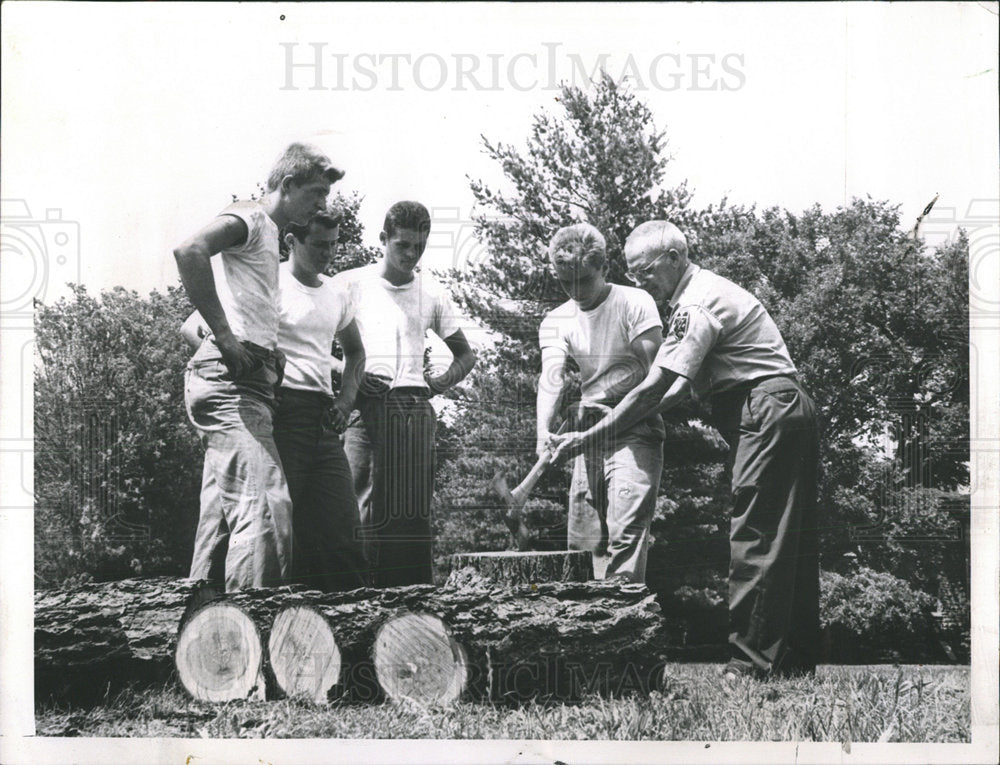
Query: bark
{"points": [[546, 640], [518, 568]]}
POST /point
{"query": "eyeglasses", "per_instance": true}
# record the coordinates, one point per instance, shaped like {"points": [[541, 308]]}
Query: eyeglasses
{"points": [[642, 273]]}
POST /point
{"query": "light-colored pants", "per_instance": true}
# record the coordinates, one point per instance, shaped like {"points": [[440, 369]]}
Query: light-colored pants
{"points": [[611, 501], [244, 534]]}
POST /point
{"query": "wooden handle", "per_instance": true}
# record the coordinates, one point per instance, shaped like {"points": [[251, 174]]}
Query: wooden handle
{"points": [[523, 489]]}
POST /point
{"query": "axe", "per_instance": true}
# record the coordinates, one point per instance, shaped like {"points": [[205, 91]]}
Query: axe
{"points": [[515, 498]]}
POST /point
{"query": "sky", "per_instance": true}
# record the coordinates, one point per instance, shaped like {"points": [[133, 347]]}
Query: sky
{"points": [[126, 127]]}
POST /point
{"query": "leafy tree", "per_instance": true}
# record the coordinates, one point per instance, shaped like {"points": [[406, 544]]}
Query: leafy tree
{"points": [[601, 159], [117, 465]]}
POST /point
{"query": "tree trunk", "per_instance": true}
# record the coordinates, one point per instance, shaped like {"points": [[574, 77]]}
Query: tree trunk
{"points": [[518, 568], [549, 640], [92, 639], [416, 657], [303, 653], [546, 640]]}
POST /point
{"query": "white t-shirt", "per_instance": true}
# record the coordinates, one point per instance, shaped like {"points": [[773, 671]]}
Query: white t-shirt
{"points": [[599, 340], [309, 319], [246, 277], [393, 321]]}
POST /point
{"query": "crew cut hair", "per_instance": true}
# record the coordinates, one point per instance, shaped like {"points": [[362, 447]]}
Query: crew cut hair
{"points": [[409, 215], [304, 163], [580, 243]]}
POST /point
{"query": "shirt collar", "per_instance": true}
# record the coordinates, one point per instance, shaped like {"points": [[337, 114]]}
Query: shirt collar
{"points": [[685, 279]]}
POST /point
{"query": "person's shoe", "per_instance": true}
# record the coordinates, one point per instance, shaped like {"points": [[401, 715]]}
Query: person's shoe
{"points": [[735, 676]]}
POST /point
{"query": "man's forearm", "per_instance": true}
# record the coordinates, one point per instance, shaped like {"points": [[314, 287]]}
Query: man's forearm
{"points": [[638, 403], [678, 393], [195, 269], [353, 369]]}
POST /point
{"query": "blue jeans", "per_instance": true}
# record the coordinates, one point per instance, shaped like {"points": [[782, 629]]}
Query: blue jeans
{"points": [[612, 497], [244, 534], [391, 452], [328, 552]]}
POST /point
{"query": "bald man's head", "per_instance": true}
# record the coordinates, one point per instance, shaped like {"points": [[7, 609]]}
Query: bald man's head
{"points": [[657, 255]]}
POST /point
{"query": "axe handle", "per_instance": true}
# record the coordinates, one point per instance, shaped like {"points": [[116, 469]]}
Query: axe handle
{"points": [[523, 489]]}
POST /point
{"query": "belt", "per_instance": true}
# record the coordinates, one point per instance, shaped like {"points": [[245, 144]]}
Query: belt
{"points": [[315, 397]]}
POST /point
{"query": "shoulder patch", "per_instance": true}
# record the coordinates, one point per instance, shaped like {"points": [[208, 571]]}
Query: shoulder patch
{"points": [[679, 325]]}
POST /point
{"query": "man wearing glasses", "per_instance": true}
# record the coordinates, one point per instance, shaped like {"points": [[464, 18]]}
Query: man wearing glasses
{"points": [[724, 347], [612, 332]]}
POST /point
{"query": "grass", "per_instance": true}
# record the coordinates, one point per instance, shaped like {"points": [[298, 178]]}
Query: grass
{"points": [[843, 704]]}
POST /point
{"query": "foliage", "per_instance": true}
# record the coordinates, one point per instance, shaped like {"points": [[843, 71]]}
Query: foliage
{"points": [[874, 609], [841, 704], [875, 323], [117, 465]]}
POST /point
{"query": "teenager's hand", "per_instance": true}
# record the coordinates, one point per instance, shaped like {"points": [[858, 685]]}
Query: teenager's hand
{"points": [[565, 446], [340, 415], [238, 360]]}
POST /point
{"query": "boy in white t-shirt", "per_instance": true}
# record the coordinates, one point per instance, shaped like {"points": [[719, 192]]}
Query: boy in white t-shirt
{"points": [[309, 418], [391, 450], [613, 333], [244, 534]]}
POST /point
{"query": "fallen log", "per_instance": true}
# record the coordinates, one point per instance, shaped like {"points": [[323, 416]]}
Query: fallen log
{"points": [[416, 657], [92, 639], [544, 641], [517, 568], [555, 640]]}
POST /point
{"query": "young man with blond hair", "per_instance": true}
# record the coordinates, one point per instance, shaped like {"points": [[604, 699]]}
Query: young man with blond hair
{"points": [[612, 332], [244, 535]]}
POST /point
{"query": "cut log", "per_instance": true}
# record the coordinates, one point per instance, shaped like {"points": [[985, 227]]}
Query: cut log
{"points": [[303, 652], [545, 640], [219, 654], [549, 640], [517, 568], [92, 639], [417, 658]]}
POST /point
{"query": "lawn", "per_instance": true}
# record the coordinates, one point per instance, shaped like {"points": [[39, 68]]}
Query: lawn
{"points": [[878, 703]]}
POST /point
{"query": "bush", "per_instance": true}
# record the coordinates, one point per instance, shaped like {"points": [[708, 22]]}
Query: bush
{"points": [[870, 615], [117, 464]]}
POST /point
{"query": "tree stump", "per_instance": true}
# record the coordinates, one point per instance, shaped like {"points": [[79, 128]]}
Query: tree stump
{"points": [[519, 568], [303, 652], [219, 654], [416, 657]]}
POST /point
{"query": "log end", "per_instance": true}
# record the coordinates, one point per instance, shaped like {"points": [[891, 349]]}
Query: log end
{"points": [[305, 658], [219, 654], [417, 658]]}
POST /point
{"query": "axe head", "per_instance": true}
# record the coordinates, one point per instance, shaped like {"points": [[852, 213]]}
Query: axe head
{"points": [[513, 513]]}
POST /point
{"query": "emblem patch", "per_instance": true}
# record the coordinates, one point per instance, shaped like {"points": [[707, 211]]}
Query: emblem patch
{"points": [[679, 326]]}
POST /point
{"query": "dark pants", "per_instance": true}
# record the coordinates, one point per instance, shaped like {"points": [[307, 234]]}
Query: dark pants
{"points": [[391, 452], [324, 511], [772, 432]]}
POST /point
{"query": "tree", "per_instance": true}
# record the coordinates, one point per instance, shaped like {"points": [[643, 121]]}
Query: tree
{"points": [[875, 323], [603, 160]]}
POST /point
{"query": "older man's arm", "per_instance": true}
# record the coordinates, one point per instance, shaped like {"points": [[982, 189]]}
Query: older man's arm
{"points": [[640, 402]]}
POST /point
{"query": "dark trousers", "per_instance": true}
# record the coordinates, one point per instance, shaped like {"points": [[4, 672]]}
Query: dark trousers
{"points": [[391, 452], [325, 515], [772, 432]]}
